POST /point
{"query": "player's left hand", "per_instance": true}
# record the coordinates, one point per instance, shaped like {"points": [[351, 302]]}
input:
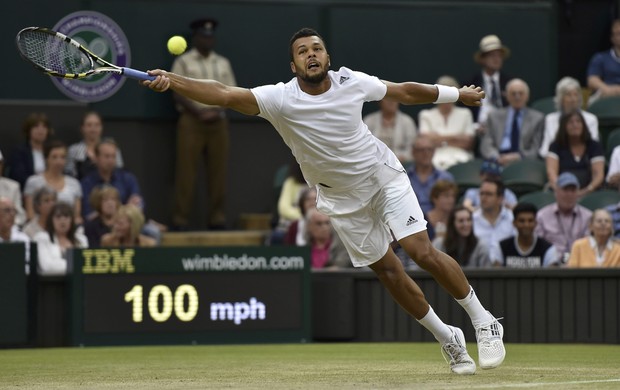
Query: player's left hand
{"points": [[161, 82], [471, 96]]}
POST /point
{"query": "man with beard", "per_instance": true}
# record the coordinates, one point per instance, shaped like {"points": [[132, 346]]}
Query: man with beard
{"points": [[361, 185], [202, 130]]}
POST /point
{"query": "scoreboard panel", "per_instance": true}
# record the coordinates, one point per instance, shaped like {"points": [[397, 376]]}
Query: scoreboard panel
{"points": [[190, 295]]}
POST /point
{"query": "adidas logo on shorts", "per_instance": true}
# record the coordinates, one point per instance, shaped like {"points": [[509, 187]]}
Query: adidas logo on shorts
{"points": [[411, 221]]}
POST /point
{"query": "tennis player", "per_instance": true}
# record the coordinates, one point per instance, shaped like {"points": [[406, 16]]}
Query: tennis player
{"points": [[361, 184]]}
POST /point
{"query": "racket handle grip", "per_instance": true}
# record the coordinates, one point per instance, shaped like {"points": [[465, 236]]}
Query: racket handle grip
{"points": [[137, 74]]}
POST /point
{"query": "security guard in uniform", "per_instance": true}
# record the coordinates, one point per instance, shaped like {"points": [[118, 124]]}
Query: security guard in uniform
{"points": [[202, 130]]}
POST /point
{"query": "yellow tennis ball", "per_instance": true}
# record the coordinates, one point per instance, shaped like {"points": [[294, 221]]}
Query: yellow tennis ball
{"points": [[177, 45]]}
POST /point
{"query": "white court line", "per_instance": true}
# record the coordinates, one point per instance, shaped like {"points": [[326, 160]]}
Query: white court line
{"points": [[541, 384]]}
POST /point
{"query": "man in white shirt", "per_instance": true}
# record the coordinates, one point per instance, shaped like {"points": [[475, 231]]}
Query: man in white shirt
{"points": [[493, 220], [361, 184]]}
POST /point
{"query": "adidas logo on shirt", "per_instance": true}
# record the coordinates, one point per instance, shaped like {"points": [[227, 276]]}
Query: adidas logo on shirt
{"points": [[343, 79], [411, 221]]}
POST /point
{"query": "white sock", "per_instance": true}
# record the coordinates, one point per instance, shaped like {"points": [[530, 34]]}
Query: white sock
{"points": [[477, 313], [436, 326]]}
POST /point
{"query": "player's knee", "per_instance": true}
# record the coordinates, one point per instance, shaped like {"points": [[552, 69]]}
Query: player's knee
{"points": [[388, 269], [427, 256], [421, 250]]}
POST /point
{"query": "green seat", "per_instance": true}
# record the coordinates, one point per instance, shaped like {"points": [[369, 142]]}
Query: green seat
{"points": [[538, 198], [525, 176], [606, 109], [613, 140], [467, 174], [600, 199], [545, 105]]}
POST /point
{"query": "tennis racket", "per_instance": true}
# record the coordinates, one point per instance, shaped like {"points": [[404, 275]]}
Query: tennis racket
{"points": [[58, 55]]}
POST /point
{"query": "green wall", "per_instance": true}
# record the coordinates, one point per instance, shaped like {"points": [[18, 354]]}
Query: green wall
{"points": [[396, 40]]}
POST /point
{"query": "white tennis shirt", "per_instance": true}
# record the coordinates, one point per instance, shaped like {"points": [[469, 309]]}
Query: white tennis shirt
{"points": [[325, 132]]}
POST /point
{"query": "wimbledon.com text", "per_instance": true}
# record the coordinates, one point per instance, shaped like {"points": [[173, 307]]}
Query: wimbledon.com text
{"points": [[242, 263]]}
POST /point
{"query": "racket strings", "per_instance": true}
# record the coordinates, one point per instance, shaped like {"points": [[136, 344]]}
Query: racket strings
{"points": [[53, 53]]}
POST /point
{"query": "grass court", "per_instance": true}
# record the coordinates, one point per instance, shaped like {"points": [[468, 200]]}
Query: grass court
{"points": [[305, 366]]}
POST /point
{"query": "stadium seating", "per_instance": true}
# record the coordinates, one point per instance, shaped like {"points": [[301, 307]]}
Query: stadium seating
{"points": [[606, 108], [600, 199], [525, 176], [467, 174], [613, 140], [538, 198], [545, 105]]}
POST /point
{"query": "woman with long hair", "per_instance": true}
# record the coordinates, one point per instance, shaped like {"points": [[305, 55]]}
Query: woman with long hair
{"points": [[567, 98], [43, 201], [59, 237], [575, 151], [461, 243], [126, 227]]}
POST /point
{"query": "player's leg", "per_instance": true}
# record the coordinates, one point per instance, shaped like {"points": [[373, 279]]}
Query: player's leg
{"points": [[410, 297], [366, 238], [445, 270], [403, 289], [400, 208], [448, 273]]}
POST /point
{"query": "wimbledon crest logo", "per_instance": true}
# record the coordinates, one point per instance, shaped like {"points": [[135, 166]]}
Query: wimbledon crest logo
{"points": [[103, 37]]}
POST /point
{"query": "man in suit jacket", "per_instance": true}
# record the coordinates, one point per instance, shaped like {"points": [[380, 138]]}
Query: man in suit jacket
{"points": [[491, 56], [513, 132]]}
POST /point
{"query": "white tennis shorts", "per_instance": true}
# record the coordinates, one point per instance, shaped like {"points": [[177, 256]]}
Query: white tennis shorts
{"points": [[364, 216]]}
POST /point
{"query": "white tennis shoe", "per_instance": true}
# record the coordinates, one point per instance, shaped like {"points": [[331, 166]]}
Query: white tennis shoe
{"points": [[455, 353], [491, 351]]}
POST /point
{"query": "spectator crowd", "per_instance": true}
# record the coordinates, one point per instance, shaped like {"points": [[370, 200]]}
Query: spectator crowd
{"points": [[487, 224], [62, 196]]}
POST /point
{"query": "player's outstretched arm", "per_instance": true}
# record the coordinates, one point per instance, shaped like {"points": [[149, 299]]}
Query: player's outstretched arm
{"points": [[417, 93], [471, 96], [205, 91]]}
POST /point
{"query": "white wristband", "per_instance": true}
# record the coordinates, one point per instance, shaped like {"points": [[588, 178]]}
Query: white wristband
{"points": [[446, 94]]}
